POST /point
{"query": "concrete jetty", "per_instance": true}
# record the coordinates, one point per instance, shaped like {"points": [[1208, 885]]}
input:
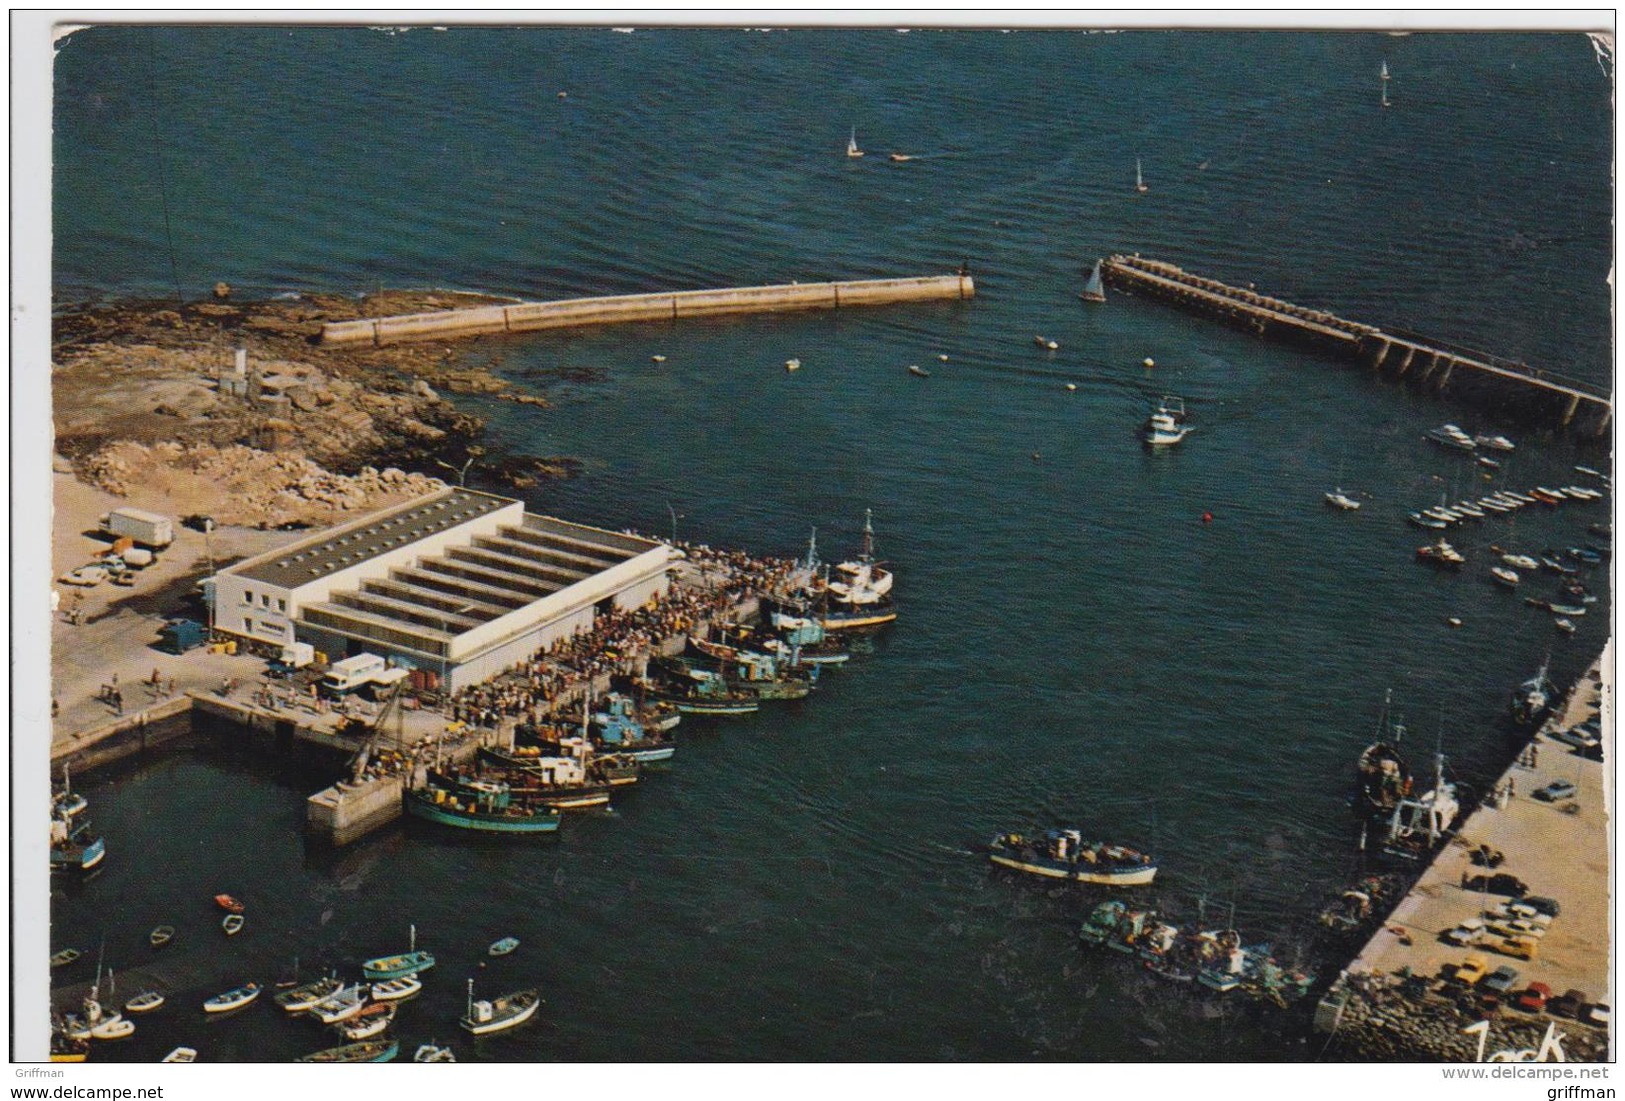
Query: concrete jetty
{"points": [[1560, 849], [664, 306], [1544, 397]]}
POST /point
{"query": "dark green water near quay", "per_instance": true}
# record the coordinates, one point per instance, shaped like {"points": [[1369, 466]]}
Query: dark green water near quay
{"points": [[1074, 644]]}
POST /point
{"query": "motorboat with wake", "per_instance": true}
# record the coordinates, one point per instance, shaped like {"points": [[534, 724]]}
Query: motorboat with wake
{"points": [[1166, 425]]}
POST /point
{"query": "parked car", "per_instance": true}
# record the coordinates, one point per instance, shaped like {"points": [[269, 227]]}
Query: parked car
{"points": [[1556, 791], [1472, 969], [1501, 980], [1543, 905], [1467, 933], [1571, 1004], [1521, 948], [84, 575], [1533, 999], [1501, 883]]}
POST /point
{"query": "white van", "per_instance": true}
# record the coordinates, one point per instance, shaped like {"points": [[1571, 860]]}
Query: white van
{"points": [[344, 677]]}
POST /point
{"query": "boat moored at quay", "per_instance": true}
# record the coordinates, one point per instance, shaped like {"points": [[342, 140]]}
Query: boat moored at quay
{"points": [[482, 805], [1064, 854]]}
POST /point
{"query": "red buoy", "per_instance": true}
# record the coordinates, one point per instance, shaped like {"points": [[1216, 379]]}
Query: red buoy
{"points": [[1207, 518]]}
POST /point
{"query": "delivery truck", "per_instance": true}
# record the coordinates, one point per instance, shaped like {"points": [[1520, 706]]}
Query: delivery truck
{"points": [[148, 529]]}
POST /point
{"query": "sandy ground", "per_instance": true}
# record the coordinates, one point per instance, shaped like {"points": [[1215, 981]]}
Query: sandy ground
{"points": [[120, 625], [1560, 855]]}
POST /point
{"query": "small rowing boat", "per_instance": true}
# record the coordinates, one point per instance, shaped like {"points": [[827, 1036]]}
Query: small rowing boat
{"points": [[301, 998], [367, 1051], [504, 946], [232, 999], [65, 957], [228, 904], [232, 924], [145, 1002], [161, 936], [181, 1055], [393, 990]]}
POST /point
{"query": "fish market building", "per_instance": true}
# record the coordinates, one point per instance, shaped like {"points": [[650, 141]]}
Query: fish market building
{"points": [[460, 582]]}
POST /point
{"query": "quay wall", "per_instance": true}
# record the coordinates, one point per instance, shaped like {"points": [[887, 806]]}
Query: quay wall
{"points": [[123, 737], [1514, 390], [663, 306]]}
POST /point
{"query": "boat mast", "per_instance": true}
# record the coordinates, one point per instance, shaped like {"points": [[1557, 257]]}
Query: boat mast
{"points": [[868, 554], [412, 938], [469, 1012], [1385, 79]]}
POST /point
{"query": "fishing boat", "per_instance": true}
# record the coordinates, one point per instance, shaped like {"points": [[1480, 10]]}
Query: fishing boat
{"points": [[499, 1014], [1139, 178], [303, 998], [1520, 561], [1442, 514], [1548, 561], [917, 371], [341, 1005], [485, 806], [1421, 822], [1166, 425], [68, 1049], [1441, 553], [394, 990], [232, 999], [232, 924], [862, 595], [1584, 493], [703, 692], [399, 966], [1584, 555], [504, 946], [1533, 698], [1064, 854], [1426, 521], [1382, 777], [367, 1051], [65, 957], [1545, 496], [1590, 471], [1517, 498], [1102, 922], [565, 780], [68, 803], [228, 904], [73, 847], [181, 1055], [374, 1018], [1467, 508], [434, 1053], [1486, 461], [161, 936], [1385, 78], [620, 730], [145, 1002], [1564, 625], [802, 640], [1495, 443], [1504, 576], [767, 675], [900, 157], [1338, 499], [1565, 609], [852, 149], [1095, 289], [116, 1027]]}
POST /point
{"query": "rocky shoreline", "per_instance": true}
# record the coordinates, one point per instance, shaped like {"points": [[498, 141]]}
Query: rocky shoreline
{"points": [[150, 403]]}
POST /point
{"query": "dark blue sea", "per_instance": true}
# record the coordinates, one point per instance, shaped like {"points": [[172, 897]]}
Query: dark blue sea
{"points": [[1074, 646]]}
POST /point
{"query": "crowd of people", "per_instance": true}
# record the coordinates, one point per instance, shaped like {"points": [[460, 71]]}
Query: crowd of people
{"points": [[619, 640]]}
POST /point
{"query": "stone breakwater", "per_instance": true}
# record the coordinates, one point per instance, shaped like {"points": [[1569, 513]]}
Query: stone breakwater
{"points": [[1379, 1020]]}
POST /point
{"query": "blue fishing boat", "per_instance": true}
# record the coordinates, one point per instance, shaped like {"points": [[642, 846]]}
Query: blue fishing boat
{"points": [[620, 731], [1102, 922], [1064, 854], [73, 848], [481, 805], [367, 1051], [803, 640], [399, 966]]}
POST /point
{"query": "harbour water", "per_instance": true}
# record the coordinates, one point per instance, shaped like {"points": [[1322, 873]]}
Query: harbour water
{"points": [[1075, 644]]}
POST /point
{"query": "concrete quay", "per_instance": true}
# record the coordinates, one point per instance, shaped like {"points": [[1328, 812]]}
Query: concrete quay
{"points": [[1514, 389], [1560, 849]]}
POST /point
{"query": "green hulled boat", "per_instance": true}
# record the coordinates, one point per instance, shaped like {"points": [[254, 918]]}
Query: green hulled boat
{"points": [[478, 805], [367, 1051]]}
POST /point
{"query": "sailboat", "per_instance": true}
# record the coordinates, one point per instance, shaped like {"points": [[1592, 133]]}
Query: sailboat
{"points": [[852, 149], [1385, 79], [1139, 178], [1095, 289]]}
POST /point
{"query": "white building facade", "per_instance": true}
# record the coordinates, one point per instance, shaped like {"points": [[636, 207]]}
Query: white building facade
{"points": [[460, 582]]}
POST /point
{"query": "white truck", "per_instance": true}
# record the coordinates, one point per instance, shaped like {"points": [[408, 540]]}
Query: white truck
{"points": [[146, 528], [344, 677]]}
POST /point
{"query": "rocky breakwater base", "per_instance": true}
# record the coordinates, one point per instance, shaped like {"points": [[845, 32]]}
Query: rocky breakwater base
{"points": [[1382, 1018], [150, 398]]}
